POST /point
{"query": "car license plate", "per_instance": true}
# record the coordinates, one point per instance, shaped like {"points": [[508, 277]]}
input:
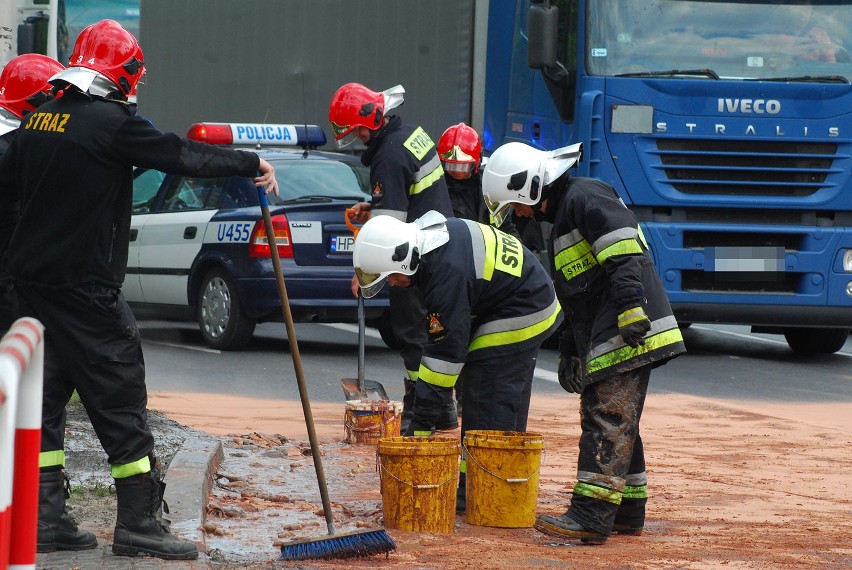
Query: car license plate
{"points": [[342, 244]]}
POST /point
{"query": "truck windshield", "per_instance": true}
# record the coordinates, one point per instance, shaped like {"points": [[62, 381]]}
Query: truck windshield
{"points": [[735, 39]]}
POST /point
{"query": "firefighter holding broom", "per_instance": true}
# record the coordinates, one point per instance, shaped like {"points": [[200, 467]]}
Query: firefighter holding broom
{"points": [[490, 305], [70, 166]]}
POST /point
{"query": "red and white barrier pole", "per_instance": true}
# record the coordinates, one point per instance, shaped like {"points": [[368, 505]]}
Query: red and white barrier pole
{"points": [[21, 383]]}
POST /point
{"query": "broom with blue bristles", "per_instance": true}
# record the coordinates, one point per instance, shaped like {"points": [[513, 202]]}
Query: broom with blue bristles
{"points": [[344, 545]]}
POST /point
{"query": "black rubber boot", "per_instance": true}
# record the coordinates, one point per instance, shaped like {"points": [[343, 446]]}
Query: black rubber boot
{"points": [[56, 529], [449, 418], [630, 517], [564, 526], [139, 527], [407, 405], [461, 494]]}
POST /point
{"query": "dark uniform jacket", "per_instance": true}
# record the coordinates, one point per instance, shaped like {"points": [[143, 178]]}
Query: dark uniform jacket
{"points": [[74, 222], [466, 197], [485, 293], [8, 204], [601, 267], [406, 176]]}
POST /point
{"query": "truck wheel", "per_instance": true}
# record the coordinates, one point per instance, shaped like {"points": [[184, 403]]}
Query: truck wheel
{"points": [[220, 318], [816, 341]]}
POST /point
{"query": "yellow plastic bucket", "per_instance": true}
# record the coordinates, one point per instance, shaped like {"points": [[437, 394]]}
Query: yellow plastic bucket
{"points": [[502, 477], [419, 477], [366, 421]]}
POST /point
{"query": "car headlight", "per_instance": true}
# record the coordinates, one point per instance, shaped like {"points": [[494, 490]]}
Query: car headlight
{"points": [[847, 261]]}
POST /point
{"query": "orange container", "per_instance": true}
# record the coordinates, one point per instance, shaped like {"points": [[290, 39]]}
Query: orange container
{"points": [[366, 421]]}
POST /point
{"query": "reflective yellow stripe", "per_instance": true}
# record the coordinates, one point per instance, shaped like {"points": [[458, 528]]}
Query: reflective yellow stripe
{"points": [[426, 181], [463, 466], [642, 237], [623, 247], [631, 316], [624, 353], [418, 143], [413, 375], [631, 492], [490, 251], [131, 469], [437, 378], [574, 260], [419, 433], [51, 458], [595, 492], [510, 255], [503, 338]]}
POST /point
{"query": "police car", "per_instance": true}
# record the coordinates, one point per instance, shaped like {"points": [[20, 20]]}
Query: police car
{"points": [[198, 247]]}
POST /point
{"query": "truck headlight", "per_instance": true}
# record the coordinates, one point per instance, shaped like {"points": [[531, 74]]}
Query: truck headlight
{"points": [[847, 261]]}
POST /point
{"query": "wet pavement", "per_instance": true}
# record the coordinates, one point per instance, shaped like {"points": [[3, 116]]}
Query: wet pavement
{"points": [[191, 458]]}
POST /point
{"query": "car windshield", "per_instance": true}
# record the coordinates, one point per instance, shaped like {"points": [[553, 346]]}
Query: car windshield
{"points": [[730, 39], [320, 178]]}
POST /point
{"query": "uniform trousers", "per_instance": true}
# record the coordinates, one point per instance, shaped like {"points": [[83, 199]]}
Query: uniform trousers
{"points": [[611, 452], [92, 344]]}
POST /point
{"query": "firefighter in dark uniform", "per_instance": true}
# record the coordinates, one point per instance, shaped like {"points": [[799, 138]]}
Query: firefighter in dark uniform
{"points": [[460, 151], [490, 303], [71, 168], [24, 86], [406, 181], [619, 325]]}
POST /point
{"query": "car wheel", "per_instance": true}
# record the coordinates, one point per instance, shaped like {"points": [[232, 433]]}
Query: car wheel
{"points": [[816, 341], [220, 317]]}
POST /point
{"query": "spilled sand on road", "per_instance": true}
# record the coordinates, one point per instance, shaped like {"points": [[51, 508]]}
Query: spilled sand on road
{"points": [[747, 485]]}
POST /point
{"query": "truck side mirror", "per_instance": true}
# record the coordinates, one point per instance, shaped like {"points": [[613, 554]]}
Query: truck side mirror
{"points": [[542, 26]]}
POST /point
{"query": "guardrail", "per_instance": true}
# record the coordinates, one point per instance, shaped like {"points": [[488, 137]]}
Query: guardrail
{"points": [[21, 383]]}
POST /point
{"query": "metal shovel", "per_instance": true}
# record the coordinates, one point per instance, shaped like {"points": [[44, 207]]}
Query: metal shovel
{"points": [[360, 388]]}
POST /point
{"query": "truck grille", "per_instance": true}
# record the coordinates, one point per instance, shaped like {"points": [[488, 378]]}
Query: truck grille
{"points": [[745, 168]]}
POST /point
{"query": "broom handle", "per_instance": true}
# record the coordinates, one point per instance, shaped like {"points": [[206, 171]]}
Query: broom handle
{"points": [[297, 361]]}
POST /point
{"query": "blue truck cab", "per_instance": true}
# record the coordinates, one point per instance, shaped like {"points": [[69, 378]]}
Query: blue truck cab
{"points": [[725, 126]]}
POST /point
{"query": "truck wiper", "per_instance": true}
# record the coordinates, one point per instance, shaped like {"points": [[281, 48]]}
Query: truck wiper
{"points": [[805, 79], [672, 73]]}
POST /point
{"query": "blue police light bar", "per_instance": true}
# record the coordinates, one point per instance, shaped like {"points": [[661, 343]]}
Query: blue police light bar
{"points": [[304, 136]]}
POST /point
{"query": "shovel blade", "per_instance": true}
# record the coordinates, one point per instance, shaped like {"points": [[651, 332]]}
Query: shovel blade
{"points": [[372, 390]]}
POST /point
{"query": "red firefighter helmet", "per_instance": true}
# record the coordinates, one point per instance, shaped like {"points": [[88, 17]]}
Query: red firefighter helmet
{"points": [[24, 82], [460, 149], [108, 49], [354, 105]]}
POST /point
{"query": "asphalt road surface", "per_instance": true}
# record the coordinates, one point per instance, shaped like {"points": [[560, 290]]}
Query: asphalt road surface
{"points": [[722, 361]]}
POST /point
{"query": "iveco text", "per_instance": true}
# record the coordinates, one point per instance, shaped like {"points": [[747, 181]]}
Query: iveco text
{"points": [[758, 106]]}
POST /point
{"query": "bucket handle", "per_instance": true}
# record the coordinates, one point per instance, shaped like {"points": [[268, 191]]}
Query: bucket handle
{"points": [[353, 427], [467, 454], [381, 466]]}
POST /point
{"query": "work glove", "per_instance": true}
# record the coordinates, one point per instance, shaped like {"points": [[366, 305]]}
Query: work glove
{"points": [[633, 324], [570, 373]]}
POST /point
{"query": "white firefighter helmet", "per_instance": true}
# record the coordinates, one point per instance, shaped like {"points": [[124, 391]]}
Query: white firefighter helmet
{"points": [[386, 245], [517, 172]]}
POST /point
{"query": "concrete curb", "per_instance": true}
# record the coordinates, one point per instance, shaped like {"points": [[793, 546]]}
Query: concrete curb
{"points": [[188, 479]]}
